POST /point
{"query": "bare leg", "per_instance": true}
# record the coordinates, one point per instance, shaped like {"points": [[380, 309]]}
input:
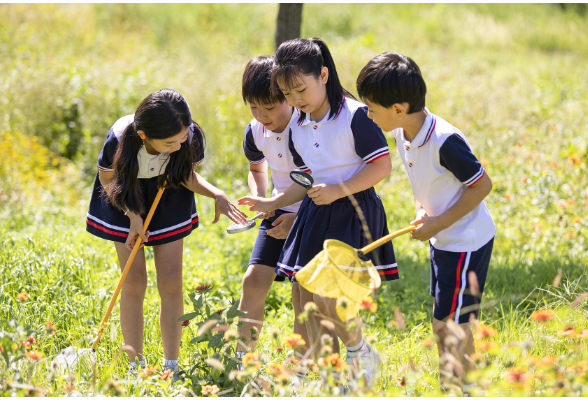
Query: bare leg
{"points": [[314, 326], [299, 327], [453, 347], [328, 308], [131, 300], [256, 284], [168, 264]]}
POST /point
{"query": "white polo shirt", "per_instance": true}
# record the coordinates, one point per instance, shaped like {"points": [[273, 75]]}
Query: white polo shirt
{"points": [[335, 149], [150, 165], [440, 165], [260, 144]]}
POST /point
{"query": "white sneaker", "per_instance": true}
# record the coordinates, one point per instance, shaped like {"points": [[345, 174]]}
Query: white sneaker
{"points": [[368, 360]]}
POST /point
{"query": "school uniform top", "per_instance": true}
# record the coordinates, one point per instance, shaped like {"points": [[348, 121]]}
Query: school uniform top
{"points": [[149, 165], [260, 144], [337, 148], [175, 217], [441, 165]]}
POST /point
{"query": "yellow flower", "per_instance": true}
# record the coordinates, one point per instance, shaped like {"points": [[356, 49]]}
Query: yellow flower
{"points": [[34, 355], [210, 389], [251, 360], [294, 340]]}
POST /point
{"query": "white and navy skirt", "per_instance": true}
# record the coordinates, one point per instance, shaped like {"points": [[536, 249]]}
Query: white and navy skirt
{"points": [[175, 216], [338, 220]]}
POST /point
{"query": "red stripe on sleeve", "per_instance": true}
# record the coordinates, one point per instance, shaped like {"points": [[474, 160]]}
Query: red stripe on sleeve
{"points": [[380, 156]]}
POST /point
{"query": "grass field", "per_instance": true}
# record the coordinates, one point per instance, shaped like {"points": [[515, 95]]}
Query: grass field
{"points": [[511, 77]]}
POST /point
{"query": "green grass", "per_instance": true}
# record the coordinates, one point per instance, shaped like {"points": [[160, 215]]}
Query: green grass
{"points": [[511, 77]]}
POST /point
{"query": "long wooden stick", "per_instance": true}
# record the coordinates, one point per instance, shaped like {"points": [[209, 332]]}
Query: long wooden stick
{"points": [[126, 270], [386, 239]]}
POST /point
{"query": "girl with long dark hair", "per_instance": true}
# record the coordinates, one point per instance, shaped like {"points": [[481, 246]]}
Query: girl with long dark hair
{"points": [[157, 146], [336, 142]]}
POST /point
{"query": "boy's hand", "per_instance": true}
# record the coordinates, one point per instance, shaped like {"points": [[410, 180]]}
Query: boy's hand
{"points": [[429, 228], [256, 203], [268, 214], [282, 226], [325, 193]]}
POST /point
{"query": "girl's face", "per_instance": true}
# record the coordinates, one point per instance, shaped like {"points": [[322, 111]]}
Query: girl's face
{"points": [[309, 93], [274, 117], [169, 145]]}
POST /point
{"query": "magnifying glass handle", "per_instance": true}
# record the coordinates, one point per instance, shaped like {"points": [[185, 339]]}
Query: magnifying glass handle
{"points": [[257, 216]]}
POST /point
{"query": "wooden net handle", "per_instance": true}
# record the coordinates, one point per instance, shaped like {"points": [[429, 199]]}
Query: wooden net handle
{"points": [[386, 239], [121, 281]]}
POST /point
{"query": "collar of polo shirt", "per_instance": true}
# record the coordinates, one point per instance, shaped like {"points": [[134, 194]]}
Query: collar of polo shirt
{"points": [[424, 133], [326, 118]]}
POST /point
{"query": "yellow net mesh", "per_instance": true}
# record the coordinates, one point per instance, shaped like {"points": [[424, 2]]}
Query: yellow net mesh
{"points": [[337, 272]]}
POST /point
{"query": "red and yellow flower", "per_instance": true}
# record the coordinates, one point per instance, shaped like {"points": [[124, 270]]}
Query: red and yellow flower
{"points": [[543, 315], [294, 340]]}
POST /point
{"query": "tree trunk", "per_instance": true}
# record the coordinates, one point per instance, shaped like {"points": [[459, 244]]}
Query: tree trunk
{"points": [[289, 21]]}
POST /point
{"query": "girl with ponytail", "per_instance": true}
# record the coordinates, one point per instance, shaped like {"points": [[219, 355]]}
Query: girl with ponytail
{"points": [[157, 146], [345, 152]]}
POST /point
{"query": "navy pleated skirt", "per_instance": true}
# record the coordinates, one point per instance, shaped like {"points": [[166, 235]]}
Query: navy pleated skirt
{"points": [[175, 216], [338, 220]]}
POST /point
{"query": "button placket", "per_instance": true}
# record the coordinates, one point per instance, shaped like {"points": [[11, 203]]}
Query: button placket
{"points": [[316, 146]]}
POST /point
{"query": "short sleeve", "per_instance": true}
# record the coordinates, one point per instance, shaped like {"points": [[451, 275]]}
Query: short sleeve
{"points": [[457, 157], [298, 161], [370, 142], [198, 143], [253, 154], [106, 157]]}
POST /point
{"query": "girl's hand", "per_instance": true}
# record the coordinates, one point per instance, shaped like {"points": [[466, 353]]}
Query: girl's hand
{"points": [[268, 214], [325, 193], [256, 203], [282, 226], [136, 231], [429, 228], [224, 206]]}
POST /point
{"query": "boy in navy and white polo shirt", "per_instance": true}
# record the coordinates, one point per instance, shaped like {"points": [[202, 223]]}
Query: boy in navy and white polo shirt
{"points": [[449, 186], [265, 144]]}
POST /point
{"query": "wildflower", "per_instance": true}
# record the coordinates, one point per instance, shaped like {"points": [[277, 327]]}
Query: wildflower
{"points": [[50, 328], [542, 315], [326, 350], [201, 289], [311, 308], [294, 340], [68, 388], [14, 346], [34, 355], [230, 335], [531, 360], [577, 220], [428, 342], [186, 322], [219, 312], [166, 374], [275, 333], [275, 369], [111, 384], [28, 342], [208, 389], [514, 375], [484, 331], [570, 201], [291, 360], [368, 303], [484, 162], [569, 234], [335, 361], [582, 335], [508, 197], [574, 159], [278, 348], [22, 296], [547, 361], [343, 302], [568, 331], [283, 379], [402, 381], [562, 205], [148, 371], [251, 360], [486, 346], [371, 339], [1, 349]]}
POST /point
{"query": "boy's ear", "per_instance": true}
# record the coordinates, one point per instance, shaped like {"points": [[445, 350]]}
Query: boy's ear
{"points": [[399, 110], [324, 75]]}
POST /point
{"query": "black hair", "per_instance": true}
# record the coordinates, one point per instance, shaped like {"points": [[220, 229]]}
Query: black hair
{"points": [[392, 78], [160, 115], [256, 85], [307, 57]]}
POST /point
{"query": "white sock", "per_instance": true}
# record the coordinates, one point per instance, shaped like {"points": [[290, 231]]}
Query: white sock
{"points": [[240, 354], [170, 364], [355, 349], [133, 365]]}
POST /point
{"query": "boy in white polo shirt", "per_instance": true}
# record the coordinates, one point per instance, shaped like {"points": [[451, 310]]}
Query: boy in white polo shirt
{"points": [[449, 186]]}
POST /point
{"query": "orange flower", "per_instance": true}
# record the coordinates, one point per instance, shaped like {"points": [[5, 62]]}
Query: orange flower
{"points": [[531, 360], [210, 389], [203, 288], [542, 315], [582, 335], [275, 369], [485, 346], [335, 361], [34, 355], [508, 196], [562, 205], [483, 331], [166, 374], [22, 296], [574, 159], [251, 360], [515, 375], [369, 304], [483, 161], [50, 328], [294, 340], [547, 361], [148, 371], [278, 348], [569, 234], [28, 342], [567, 331], [570, 201], [428, 342], [577, 220]]}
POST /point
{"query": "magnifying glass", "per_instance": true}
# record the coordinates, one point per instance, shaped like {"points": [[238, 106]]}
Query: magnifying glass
{"points": [[302, 178], [236, 228]]}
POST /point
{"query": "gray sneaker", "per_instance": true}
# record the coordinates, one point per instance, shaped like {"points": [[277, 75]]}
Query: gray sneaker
{"points": [[367, 360]]}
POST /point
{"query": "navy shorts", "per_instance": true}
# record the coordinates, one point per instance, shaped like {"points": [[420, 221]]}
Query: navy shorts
{"points": [[450, 284], [267, 249]]}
